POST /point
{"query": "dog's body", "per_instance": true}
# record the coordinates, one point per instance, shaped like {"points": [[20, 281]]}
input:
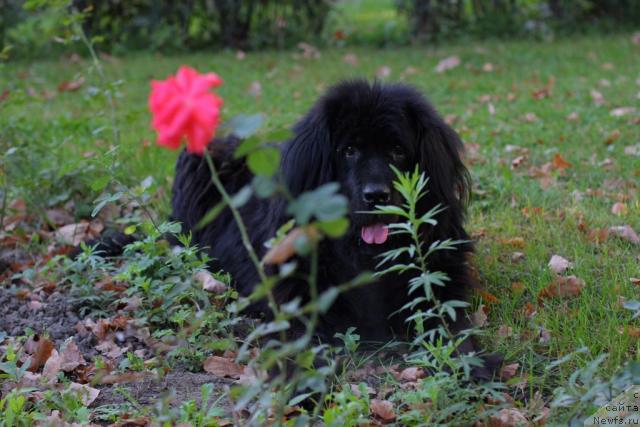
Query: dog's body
{"points": [[350, 136]]}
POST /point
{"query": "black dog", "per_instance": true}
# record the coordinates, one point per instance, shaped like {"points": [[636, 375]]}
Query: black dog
{"points": [[350, 136]]}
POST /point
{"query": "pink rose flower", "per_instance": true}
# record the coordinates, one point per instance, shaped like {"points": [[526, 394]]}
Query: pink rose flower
{"points": [[184, 107]]}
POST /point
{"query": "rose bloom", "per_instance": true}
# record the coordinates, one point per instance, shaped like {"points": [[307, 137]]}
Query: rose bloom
{"points": [[183, 107]]}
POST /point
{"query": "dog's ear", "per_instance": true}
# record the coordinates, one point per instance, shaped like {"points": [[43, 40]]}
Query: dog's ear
{"points": [[439, 150], [307, 157]]}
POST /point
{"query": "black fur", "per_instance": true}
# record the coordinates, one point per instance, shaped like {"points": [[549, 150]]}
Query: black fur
{"points": [[350, 135]]}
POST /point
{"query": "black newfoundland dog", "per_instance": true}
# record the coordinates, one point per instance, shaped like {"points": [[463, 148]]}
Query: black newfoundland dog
{"points": [[350, 136]]}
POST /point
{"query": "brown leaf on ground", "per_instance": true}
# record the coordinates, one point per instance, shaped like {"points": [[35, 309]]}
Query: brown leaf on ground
{"points": [[517, 256], [351, 59], [285, 249], [597, 97], [559, 163], [635, 281], [255, 89], [412, 373], [508, 417], [383, 409], [517, 242], [71, 357], [487, 296], [544, 336], [74, 234], [309, 51], [210, 283], [632, 150], [110, 349], [613, 136], [625, 232], [355, 389], [448, 63], [573, 117], [562, 287], [546, 91], [223, 367], [635, 38], [59, 216], [509, 371], [383, 72], [72, 85], [52, 366], [505, 331], [622, 111], [559, 265], [479, 317], [87, 394], [43, 348], [598, 235], [619, 209], [631, 331]]}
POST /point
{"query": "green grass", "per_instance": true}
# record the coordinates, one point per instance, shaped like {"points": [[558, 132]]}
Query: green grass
{"points": [[71, 133]]}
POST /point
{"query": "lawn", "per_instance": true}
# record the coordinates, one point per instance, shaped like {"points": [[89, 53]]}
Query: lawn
{"points": [[552, 131]]}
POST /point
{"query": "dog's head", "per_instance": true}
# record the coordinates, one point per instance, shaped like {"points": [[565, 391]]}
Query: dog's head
{"points": [[355, 132]]}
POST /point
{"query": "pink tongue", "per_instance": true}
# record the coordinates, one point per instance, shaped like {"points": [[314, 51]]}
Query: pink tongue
{"points": [[376, 233]]}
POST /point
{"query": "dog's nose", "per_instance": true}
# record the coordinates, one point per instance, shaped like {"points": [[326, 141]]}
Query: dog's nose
{"points": [[376, 193]]}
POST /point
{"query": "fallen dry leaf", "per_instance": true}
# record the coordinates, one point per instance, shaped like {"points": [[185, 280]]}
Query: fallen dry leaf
{"points": [[635, 281], [530, 117], [558, 264], [43, 347], [479, 317], [573, 117], [447, 64], [597, 97], [508, 417], [383, 72], [382, 409], [412, 374], [255, 89], [631, 331], [635, 38], [612, 137], [622, 111], [355, 389], [517, 256], [210, 283], [70, 86], [74, 234], [351, 59], [223, 367], [59, 217], [509, 371], [619, 209], [110, 349], [309, 51], [517, 242], [632, 150], [87, 394], [52, 366], [285, 249], [71, 357], [505, 331], [563, 287], [544, 336], [625, 232], [559, 163]]}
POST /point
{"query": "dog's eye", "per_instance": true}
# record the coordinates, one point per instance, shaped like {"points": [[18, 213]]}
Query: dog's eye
{"points": [[349, 150], [397, 151]]}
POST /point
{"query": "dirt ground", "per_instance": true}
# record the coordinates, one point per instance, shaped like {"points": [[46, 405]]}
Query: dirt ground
{"points": [[58, 320]]}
